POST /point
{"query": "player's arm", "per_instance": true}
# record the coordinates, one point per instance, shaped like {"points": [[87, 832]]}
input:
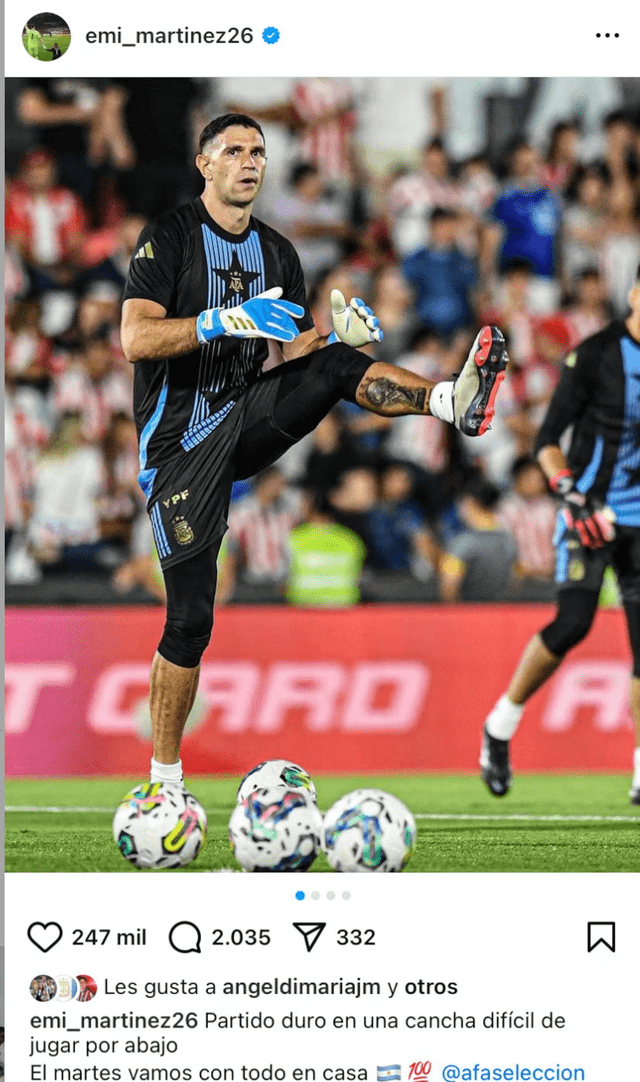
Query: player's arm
{"points": [[33, 108], [147, 334], [582, 513]]}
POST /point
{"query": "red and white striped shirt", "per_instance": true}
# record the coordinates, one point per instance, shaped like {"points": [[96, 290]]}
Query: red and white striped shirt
{"points": [[42, 224], [531, 524], [325, 107], [260, 535]]}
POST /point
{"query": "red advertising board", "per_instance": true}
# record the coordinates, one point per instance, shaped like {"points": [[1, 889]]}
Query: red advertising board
{"points": [[369, 689]]}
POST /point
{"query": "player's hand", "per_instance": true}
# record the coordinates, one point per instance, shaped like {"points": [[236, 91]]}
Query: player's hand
{"points": [[264, 316], [354, 322], [589, 518]]}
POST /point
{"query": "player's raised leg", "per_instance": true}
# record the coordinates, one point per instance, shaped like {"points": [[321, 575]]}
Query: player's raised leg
{"points": [[468, 402]]}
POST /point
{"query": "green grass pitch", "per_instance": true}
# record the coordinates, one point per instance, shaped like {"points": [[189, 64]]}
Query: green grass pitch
{"points": [[63, 40], [546, 823]]}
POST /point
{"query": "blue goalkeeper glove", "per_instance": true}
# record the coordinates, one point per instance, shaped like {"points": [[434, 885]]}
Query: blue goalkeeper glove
{"points": [[354, 323], [264, 316]]}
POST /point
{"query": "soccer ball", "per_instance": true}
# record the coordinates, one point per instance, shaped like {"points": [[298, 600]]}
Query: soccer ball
{"points": [[276, 772], [276, 830], [369, 831], [159, 825]]}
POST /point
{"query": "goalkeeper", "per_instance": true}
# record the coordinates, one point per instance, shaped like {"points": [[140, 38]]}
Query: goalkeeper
{"points": [[34, 37], [208, 286], [598, 485]]}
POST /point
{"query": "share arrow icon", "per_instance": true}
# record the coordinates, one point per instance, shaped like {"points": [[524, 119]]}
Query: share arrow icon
{"points": [[310, 932]]}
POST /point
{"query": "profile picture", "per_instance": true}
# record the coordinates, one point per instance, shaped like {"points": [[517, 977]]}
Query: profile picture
{"points": [[87, 988], [68, 988], [46, 36], [43, 988]]}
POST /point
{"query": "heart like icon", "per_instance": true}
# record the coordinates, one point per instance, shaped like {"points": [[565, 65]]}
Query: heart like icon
{"points": [[44, 936]]}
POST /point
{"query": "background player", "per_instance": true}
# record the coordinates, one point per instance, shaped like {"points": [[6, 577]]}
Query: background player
{"points": [[598, 483], [204, 416]]}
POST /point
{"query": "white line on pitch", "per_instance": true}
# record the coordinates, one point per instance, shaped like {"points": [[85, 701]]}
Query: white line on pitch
{"points": [[419, 815]]}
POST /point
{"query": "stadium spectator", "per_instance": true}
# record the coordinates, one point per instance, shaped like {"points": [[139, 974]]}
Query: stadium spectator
{"points": [[478, 563], [528, 512], [415, 195], [113, 268], [353, 498], [44, 221], [399, 538], [256, 561], [28, 352], [69, 480], [562, 162], [589, 312], [392, 301], [620, 161], [332, 451], [429, 453], [95, 386], [320, 114], [621, 244], [529, 217], [442, 276], [325, 560], [511, 309], [64, 116], [156, 168], [583, 225], [122, 502], [17, 474], [311, 220]]}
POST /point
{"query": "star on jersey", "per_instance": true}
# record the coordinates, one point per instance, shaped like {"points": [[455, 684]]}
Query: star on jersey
{"points": [[236, 279]]}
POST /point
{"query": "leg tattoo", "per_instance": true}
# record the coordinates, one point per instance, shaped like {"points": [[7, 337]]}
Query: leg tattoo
{"points": [[382, 395]]}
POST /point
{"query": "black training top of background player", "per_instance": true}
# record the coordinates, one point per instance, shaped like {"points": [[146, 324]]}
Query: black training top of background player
{"points": [[599, 393]]}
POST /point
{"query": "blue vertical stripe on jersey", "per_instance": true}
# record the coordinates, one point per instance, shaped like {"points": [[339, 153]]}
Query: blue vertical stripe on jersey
{"points": [[219, 253], [145, 480], [589, 474], [162, 544], [623, 494], [152, 424], [560, 545]]}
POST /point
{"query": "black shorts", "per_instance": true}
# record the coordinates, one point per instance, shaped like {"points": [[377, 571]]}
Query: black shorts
{"points": [[190, 499], [583, 569]]}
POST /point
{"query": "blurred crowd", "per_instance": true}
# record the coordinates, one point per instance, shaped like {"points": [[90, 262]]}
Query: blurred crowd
{"points": [[535, 228]]}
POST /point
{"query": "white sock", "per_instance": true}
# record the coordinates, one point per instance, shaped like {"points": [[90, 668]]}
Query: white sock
{"points": [[170, 772], [441, 401], [636, 767], [504, 719]]}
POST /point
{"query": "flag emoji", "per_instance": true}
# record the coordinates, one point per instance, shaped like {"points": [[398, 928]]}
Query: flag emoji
{"points": [[389, 1074]]}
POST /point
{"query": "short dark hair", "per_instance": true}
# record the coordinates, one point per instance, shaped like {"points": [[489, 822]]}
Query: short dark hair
{"points": [[523, 463], [517, 265], [300, 171], [442, 214], [221, 123]]}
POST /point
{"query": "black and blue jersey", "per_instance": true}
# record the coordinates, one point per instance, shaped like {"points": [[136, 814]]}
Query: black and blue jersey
{"points": [[599, 395], [187, 263]]}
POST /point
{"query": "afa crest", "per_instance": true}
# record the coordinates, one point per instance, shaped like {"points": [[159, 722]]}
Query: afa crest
{"points": [[183, 533]]}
